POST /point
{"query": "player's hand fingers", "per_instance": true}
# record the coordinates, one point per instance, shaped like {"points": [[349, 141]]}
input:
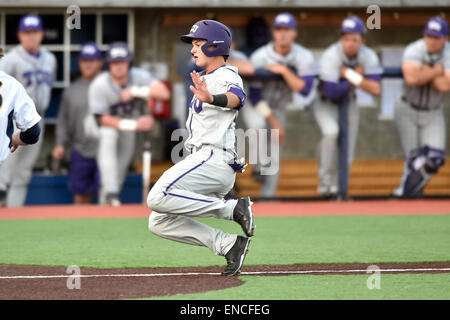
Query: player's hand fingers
{"points": [[14, 147], [193, 89]]}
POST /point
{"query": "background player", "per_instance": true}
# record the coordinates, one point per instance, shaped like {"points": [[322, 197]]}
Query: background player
{"points": [[83, 175], [344, 66], [16, 106], [35, 68], [118, 98], [295, 64], [419, 114], [196, 186]]}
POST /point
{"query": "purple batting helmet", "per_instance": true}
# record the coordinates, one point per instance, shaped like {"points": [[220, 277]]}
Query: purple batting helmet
{"points": [[119, 51], [353, 24], [30, 22], [215, 33]]}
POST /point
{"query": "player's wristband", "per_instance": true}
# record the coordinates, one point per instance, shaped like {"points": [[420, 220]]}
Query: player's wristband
{"points": [[140, 92], [263, 108], [220, 100], [127, 125], [354, 77]]}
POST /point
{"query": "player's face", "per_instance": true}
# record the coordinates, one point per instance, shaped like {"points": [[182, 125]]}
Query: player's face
{"points": [[90, 68], [351, 42], [119, 69], [435, 44], [201, 60], [284, 36], [31, 40]]}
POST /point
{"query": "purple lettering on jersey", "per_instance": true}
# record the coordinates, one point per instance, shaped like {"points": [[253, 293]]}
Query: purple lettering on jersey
{"points": [[40, 77], [196, 104], [28, 75], [123, 109]]}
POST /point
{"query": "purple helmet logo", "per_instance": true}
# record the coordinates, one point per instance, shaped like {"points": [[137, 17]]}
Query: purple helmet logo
{"points": [[215, 33], [118, 51]]}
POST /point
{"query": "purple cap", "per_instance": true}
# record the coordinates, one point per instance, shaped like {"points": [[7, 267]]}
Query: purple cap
{"points": [[30, 22], [90, 51], [285, 20], [436, 26], [353, 24]]}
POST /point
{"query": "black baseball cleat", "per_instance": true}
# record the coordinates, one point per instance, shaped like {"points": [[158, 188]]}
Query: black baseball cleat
{"points": [[235, 257], [243, 215]]}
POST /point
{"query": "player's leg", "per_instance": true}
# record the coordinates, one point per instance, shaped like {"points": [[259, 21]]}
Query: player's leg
{"points": [[326, 115], [195, 187], [81, 178], [353, 126], [107, 160], [430, 156], [126, 145], [24, 159], [408, 131], [187, 230]]}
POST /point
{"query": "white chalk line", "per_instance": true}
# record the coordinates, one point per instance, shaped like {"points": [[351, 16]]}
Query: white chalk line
{"points": [[246, 273]]}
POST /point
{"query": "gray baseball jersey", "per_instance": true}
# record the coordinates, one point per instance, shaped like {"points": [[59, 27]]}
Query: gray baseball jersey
{"points": [[334, 57], [277, 93], [104, 94], [72, 112], [210, 124], [36, 73], [425, 96]]}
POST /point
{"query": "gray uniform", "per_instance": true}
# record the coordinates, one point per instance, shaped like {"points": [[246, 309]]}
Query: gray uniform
{"points": [[196, 186], [37, 75], [116, 148], [278, 94], [72, 112], [326, 112], [419, 113]]}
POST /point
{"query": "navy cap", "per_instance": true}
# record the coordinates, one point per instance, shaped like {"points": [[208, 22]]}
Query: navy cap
{"points": [[30, 22], [90, 51], [353, 24], [436, 26], [285, 20]]}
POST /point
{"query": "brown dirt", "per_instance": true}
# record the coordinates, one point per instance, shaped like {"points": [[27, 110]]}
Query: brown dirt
{"points": [[138, 287]]}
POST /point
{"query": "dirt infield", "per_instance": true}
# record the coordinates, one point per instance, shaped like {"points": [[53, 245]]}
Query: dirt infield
{"points": [[45, 283]]}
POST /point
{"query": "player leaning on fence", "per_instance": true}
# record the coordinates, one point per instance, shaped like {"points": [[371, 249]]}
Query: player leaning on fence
{"points": [[344, 66]]}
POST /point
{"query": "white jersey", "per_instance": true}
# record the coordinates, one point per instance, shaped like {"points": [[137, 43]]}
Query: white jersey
{"points": [[208, 124], [17, 106]]}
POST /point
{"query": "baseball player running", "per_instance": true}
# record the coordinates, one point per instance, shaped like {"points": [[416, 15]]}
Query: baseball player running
{"points": [[35, 68], [344, 66], [16, 106], [118, 99], [84, 177], [419, 114], [196, 186], [295, 64]]}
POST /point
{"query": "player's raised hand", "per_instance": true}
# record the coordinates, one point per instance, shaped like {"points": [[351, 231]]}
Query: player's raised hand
{"points": [[199, 88], [16, 142]]}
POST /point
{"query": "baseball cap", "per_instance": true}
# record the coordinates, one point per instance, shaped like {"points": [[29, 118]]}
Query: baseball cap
{"points": [[30, 22], [436, 26], [118, 51], [353, 24], [90, 51], [285, 20]]}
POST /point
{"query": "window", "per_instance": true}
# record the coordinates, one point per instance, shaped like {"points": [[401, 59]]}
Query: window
{"points": [[101, 26]]}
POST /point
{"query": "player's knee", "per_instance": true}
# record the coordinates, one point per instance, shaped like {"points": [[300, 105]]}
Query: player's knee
{"points": [[154, 222], [155, 199]]}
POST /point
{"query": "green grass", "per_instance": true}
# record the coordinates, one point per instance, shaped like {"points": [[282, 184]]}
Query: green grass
{"points": [[121, 243], [331, 287]]}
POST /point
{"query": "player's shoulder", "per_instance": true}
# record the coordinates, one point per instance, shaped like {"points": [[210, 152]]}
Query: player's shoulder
{"points": [[8, 80], [47, 53], [226, 72], [417, 45], [139, 72], [100, 80], [331, 50], [368, 53], [261, 51], [301, 50]]}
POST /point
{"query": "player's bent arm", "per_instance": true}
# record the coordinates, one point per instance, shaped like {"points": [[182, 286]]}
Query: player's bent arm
{"points": [[371, 86], [294, 82], [416, 74], [245, 67], [442, 83], [159, 91], [29, 136]]}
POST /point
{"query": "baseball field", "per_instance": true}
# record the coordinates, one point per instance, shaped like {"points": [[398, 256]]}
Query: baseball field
{"points": [[301, 250]]}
